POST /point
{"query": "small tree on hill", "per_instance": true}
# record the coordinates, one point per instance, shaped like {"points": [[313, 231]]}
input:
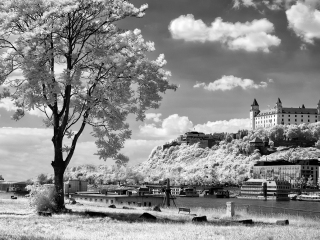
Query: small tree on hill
{"points": [[106, 75], [42, 178]]}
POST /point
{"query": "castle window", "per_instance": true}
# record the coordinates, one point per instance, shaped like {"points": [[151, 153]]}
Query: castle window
{"points": [[301, 120], [289, 119], [301, 115], [308, 115], [295, 115], [308, 120], [288, 115]]}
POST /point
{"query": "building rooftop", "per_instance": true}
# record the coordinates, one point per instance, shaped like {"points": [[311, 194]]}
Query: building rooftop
{"points": [[300, 110], [282, 162], [255, 103], [256, 140], [266, 112]]}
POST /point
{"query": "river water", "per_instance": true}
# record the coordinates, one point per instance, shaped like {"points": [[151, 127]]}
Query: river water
{"points": [[302, 208], [257, 206]]}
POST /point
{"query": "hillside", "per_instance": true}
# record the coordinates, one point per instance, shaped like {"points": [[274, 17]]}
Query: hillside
{"points": [[189, 164], [192, 164]]}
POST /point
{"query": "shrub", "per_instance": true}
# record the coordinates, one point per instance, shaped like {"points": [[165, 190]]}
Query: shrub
{"points": [[42, 197]]}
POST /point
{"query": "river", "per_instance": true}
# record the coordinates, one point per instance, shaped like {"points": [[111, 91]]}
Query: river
{"points": [[270, 206]]}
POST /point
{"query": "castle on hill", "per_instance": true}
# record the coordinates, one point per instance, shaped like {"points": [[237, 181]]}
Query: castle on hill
{"points": [[282, 115]]}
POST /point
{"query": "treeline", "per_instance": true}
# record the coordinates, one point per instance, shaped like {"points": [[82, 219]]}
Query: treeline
{"points": [[96, 175], [228, 162], [308, 132]]}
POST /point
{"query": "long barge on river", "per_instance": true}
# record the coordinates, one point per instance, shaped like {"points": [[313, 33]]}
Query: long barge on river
{"points": [[309, 198], [263, 189]]}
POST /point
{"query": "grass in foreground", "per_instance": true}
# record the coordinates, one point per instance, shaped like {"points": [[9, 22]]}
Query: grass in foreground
{"points": [[17, 221]]}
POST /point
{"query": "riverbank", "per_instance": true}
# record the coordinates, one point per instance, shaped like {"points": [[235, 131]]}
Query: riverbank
{"points": [[18, 221]]}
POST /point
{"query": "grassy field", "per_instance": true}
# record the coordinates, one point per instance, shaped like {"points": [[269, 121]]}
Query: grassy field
{"points": [[18, 221]]}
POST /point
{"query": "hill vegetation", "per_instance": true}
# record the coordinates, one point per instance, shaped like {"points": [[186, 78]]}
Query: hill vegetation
{"points": [[228, 162]]}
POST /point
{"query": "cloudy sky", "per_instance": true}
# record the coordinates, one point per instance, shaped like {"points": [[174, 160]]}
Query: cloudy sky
{"points": [[222, 54]]}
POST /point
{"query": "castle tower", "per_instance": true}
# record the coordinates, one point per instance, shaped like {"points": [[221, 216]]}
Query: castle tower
{"points": [[253, 113], [278, 106], [318, 110]]}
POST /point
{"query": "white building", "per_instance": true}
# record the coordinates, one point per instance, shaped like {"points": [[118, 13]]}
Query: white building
{"points": [[282, 115]]}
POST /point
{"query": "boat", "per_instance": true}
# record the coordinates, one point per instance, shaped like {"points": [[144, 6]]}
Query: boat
{"points": [[293, 196], [219, 193], [310, 198], [263, 189], [189, 192]]}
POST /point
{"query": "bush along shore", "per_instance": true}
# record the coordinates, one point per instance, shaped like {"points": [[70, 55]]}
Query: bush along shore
{"points": [[94, 221]]}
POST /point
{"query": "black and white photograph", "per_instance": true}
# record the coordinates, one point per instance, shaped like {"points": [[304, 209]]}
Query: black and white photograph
{"points": [[159, 119]]}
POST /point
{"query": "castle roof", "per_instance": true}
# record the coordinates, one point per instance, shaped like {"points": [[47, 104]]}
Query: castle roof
{"points": [[300, 110], [266, 112], [255, 103], [279, 101]]}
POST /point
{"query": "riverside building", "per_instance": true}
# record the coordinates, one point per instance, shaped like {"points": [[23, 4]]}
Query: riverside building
{"points": [[282, 115], [287, 171], [263, 189]]}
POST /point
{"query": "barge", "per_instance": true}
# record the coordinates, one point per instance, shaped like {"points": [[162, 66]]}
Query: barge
{"points": [[263, 189]]}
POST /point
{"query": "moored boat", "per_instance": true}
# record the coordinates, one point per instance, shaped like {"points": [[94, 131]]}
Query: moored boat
{"points": [[262, 189], [310, 198], [293, 196], [189, 192]]}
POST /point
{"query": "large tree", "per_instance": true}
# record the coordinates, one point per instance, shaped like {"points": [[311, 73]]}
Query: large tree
{"points": [[79, 69]]}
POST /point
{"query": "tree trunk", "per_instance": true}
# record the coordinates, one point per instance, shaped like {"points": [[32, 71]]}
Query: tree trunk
{"points": [[59, 169]]}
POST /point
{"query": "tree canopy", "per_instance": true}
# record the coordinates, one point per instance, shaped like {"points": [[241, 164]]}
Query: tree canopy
{"points": [[78, 68]]}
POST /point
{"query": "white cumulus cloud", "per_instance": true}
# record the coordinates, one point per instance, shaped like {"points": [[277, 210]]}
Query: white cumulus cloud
{"points": [[171, 127], [8, 105], [250, 36], [231, 82], [304, 20], [271, 4], [231, 126], [153, 116], [174, 125]]}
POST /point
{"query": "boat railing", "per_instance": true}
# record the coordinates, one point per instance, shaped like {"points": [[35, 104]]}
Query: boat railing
{"points": [[259, 209]]}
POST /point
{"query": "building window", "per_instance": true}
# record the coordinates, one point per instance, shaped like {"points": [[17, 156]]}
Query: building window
{"points": [[295, 120], [289, 119], [308, 120], [295, 115], [308, 115], [288, 115], [301, 115], [301, 120]]}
